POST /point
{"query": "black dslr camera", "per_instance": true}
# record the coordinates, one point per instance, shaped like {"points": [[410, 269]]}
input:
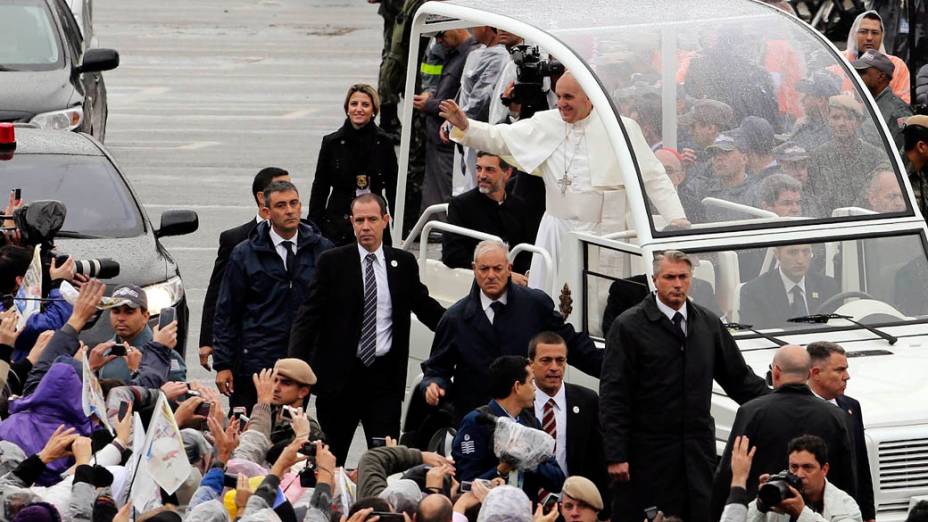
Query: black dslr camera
{"points": [[531, 70], [776, 490], [40, 222]]}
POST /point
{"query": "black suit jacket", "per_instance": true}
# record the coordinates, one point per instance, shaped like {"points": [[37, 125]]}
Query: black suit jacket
{"points": [[476, 211], [864, 479], [466, 343], [773, 420], [585, 438], [764, 303], [655, 406], [228, 239], [327, 327]]}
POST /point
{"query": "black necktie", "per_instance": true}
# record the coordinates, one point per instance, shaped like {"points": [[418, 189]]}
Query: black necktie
{"points": [[497, 309], [798, 307], [291, 258], [678, 322]]}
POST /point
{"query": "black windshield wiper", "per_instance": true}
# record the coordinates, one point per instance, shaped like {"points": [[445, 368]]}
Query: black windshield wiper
{"points": [[824, 318], [70, 234], [5, 68], [750, 328]]}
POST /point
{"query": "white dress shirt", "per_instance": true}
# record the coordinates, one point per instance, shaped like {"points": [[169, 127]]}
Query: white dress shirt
{"points": [[833, 401], [788, 285], [281, 249], [670, 312], [384, 303], [560, 420], [485, 302]]}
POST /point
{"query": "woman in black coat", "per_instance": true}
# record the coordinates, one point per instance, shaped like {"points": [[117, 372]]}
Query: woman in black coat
{"points": [[356, 159]]}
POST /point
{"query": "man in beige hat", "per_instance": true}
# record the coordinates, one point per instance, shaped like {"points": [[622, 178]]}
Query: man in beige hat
{"points": [[293, 382], [580, 500], [838, 169]]}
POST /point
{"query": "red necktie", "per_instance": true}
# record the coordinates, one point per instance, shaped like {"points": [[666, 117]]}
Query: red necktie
{"points": [[547, 421]]}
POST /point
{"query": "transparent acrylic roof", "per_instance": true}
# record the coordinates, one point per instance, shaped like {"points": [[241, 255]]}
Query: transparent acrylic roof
{"points": [[553, 16], [657, 60]]}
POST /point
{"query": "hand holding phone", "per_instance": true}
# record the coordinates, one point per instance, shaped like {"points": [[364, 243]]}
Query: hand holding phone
{"points": [[166, 317]]}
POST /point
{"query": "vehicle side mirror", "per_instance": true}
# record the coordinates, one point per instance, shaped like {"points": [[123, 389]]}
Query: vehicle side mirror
{"points": [[178, 223], [98, 60]]}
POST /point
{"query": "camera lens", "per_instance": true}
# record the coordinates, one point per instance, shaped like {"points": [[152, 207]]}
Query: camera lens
{"points": [[103, 268]]}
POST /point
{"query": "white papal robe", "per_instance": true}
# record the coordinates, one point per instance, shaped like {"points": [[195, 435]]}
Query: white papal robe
{"points": [[547, 146]]}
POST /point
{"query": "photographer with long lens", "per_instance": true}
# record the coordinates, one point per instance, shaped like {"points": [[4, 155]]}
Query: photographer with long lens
{"points": [[802, 493], [14, 263], [774, 419]]}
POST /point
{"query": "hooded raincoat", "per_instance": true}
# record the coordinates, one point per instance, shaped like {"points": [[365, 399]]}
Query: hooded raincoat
{"points": [[33, 419], [900, 81]]}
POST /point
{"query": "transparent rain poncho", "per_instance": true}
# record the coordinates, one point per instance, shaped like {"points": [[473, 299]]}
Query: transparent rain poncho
{"points": [[522, 447], [211, 511]]}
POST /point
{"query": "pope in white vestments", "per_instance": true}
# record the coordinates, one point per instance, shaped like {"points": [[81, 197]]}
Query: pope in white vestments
{"points": [[569, 148]]}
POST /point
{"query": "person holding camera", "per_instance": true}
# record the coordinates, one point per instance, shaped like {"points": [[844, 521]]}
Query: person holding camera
{"points": [[803, 493], [132, 335], [149, 367], [772, 420], [14, 263]]}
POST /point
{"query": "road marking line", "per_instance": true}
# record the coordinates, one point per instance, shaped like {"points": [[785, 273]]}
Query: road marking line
{"points": [[197, 145], [295, 115]]}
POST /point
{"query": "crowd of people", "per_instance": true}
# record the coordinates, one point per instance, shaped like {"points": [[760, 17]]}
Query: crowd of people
{"points": [[320, 305]]}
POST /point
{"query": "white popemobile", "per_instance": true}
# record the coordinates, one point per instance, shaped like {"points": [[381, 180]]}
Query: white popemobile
{"points": [[860, 254]]}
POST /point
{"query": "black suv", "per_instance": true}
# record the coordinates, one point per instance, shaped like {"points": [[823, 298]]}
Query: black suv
{"points": [[104, 217], [48, 75]]}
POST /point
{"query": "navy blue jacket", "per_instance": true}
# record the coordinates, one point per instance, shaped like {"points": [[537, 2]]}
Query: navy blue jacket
{"points": [[472, 450], [258, 300], [466, 343]]}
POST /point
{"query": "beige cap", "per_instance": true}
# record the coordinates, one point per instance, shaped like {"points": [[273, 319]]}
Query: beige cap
{"points": [[844, 101], [296, 370], [921, 120], [583, 489]]}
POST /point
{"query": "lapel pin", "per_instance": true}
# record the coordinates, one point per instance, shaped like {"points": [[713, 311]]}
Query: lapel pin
{"points": [[576, 409], [814, 295], [393, 263]]}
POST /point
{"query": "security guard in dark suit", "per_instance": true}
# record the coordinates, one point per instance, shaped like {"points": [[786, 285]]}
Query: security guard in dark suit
{"points": [[513, 388], [227, 241], [828, 380]]}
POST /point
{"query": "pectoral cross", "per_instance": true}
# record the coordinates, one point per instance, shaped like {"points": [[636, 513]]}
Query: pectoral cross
{"points": [[564, 183]]}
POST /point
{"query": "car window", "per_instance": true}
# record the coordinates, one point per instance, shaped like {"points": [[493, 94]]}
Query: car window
{"points": [[97, 199], [28, 37], [71, 31]]}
